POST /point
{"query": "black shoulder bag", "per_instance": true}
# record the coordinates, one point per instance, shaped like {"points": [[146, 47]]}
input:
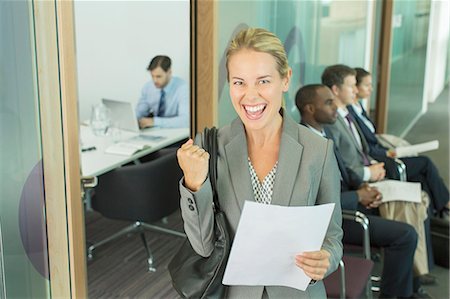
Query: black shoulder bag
{"points": [[194, 276]]}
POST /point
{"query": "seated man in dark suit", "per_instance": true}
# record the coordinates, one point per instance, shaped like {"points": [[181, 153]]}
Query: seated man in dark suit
{"points": [[418, 169], [317, 107]]}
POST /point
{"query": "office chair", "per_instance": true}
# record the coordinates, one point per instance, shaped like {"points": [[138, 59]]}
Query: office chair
{"points": [[353, 275], [144, 194]]}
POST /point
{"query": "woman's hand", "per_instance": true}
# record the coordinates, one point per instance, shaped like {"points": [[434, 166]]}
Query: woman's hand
{"points": [[194, 162], [314, 263]]}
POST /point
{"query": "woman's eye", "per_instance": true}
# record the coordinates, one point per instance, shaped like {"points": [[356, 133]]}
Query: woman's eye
{"points": [[263, 81], [237, 83]]}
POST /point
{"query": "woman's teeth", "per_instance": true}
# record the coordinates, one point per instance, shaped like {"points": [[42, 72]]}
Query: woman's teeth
{"points": [[254, 109]]}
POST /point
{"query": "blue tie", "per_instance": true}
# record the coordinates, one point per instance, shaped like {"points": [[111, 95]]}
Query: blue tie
{"points": [[162, 103]]}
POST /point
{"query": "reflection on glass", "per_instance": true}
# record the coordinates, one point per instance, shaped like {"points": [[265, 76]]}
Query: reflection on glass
{"points": [[22, 211]]}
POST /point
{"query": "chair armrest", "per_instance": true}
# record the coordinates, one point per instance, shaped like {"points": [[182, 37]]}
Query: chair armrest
{"points": [[362, 219], [343, 293], [401, 168]]}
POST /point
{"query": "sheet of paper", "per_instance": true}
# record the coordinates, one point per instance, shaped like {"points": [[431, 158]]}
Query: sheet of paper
{"points": [[411, 150], [267, 239], [399, 191]]}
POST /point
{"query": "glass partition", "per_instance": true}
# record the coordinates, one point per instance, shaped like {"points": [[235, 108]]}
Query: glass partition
{"points": [[408, 56], [23, 244], [315, 34]]}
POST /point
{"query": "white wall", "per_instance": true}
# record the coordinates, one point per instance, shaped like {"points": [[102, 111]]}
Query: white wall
{"points": [[438, 39], [115, 41]]}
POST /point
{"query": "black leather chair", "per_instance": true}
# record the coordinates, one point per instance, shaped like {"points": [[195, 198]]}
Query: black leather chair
{"points": [[143, 194]]}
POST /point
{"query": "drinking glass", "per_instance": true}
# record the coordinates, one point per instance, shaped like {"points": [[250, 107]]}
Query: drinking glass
{"points": [[100, 120]]}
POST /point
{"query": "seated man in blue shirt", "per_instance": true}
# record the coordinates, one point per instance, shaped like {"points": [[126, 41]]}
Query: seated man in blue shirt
{"points": [[164, 100]]}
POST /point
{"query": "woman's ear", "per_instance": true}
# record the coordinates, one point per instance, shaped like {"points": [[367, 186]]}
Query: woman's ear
{"points": [[287, 80]]}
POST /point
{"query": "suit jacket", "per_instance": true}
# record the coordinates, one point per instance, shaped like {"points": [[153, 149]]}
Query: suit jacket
{"points": [[375, 148], [307, 174], [349, 181], [348, 146]]}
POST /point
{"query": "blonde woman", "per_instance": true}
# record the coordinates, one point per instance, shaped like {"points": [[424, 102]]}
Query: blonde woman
{"points": [[264, 156]]}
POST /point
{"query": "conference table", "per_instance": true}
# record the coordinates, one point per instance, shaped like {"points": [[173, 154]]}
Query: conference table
{"points": [[95, 161]]}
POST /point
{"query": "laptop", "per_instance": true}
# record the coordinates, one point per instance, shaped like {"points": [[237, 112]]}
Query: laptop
{"points": [[123, 113]]}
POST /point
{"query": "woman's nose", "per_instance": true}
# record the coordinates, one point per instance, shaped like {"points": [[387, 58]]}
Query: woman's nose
{"points": [[251, 93]]}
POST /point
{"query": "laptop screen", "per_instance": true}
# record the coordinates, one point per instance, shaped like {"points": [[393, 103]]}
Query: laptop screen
{"points": [[123, 114]]}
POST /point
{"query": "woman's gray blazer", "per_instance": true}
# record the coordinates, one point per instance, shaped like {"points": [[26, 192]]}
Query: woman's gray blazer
{"points": [[307, 174]]}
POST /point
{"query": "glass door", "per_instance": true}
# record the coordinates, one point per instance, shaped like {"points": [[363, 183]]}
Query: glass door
{"points": [[42, 252], [24, 251], [410, 22]]}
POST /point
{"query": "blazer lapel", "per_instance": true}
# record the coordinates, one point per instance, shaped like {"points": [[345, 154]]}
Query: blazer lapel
{"points": [[347, 131], [365, 145], [237, 157], [288, 163]]}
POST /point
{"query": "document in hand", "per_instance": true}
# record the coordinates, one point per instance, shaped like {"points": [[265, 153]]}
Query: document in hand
{"points": [[411, 150], [125, 148], [267, 239], [399, 191]]}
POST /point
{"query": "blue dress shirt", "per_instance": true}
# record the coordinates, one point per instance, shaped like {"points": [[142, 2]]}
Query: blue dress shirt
{"points": [[176, 112]]}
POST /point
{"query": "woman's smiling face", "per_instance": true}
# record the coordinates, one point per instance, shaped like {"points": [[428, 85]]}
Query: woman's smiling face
{"points": [[256, 88]]}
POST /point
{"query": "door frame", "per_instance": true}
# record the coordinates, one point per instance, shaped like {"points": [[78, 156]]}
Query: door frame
{"points": [[57, 90]]}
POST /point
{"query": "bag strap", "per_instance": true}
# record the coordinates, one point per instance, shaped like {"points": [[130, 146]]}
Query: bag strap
{"points": [[210, 145]]}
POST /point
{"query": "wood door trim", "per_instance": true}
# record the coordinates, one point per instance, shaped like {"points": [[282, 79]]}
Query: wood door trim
{"points": [[69, 103], [204, 81], [56, 68], [384, 70]]}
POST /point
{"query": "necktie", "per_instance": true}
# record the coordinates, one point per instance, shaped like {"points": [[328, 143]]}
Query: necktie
{"points": [[352, 128], [162, 103]]}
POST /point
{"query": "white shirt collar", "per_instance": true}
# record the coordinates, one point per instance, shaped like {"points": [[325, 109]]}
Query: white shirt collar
{"points": [[342, 112], [357, 108], [320, 133]]}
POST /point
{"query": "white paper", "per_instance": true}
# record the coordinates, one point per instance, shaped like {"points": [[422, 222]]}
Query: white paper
{"points": [[267, 240], [399, 191], [411, 150], [125, 148]]}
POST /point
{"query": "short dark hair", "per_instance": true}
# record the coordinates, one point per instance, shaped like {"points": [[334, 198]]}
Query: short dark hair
{"points": [[306, 95], [335, 74], [160, 61], [360, 74]]}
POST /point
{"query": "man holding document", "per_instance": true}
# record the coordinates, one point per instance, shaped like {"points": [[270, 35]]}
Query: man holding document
{"points": [[264, 157]]}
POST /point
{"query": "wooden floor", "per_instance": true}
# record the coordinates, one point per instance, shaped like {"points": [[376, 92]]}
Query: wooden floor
{"points": [[119, 269]]}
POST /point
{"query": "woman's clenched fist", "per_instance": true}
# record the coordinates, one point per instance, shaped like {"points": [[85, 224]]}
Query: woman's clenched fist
{"points": [[193, 160]]}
